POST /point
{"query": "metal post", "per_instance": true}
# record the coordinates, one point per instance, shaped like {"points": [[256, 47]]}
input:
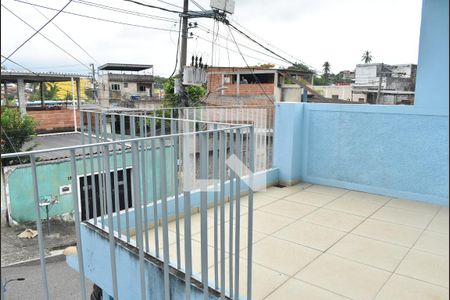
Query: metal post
{"points": [[73, 107], [204, 214], [39, 226], [77, 223]]}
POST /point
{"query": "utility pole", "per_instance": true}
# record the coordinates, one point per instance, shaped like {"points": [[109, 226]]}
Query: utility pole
{"points": [[379, 85], [183, 52], [93, 83]]}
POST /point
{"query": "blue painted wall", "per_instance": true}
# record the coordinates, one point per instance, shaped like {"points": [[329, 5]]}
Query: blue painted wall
{"points": [[97, 266], [386, 150], [432, 70]]}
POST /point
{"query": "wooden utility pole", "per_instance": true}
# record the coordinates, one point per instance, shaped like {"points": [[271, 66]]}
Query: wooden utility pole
{"points": [[183, 52], [379, 85]]}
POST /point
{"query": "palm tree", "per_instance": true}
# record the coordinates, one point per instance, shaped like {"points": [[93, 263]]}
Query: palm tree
{"points": [[326, 69], [367, 57]]}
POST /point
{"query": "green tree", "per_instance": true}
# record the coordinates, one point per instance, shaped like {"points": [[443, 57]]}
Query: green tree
{"points": [[50, 91], [326, 70], [16, 130], [194, 95], [367, 57]]}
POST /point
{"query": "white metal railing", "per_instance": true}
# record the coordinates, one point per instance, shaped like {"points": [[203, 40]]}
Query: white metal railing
{"points": [[178, 165]]}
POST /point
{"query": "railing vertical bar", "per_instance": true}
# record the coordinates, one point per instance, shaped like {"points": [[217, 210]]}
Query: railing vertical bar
{"points": [[125, 177], [187, 211], [204, 213], [77, 221], [165, 222], [250, 217], [37, 211], [116, 176], [230, 246], [222, 156], [238, 215], [109, 208], [138, 217], [216, 206], [144, 180], [100, 175], [91, 157], [155, 197], [175, 140], [85, 185]]}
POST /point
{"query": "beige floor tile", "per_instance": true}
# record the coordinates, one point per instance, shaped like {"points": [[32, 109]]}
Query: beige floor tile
{"points": [[370, 252], [259, 200], [152, 239], [243, 211], [415, 206], [344, 277], [441, 222], [357, 206], [196, 255], [433, 242], [282, 256], [362, 195], [310, 235], [264, 280], [265, 222], [301, 186], [288, 209], [243, 241], [333, 219], [403, 216], [195, 224], [425, 266], [397, 234], [279, 193], [404, 288], [327, 190], [310, 198], [296, 289]]}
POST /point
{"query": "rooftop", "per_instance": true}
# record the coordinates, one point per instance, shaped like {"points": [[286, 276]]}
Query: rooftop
{"points": [[124, 67], [13, 76], [320, 242]]}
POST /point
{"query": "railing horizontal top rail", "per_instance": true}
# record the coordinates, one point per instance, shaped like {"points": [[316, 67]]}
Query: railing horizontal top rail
{"points": [[140, 139]]}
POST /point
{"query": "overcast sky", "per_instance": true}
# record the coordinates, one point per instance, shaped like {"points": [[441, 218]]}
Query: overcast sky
{"points": [[311, 31]]}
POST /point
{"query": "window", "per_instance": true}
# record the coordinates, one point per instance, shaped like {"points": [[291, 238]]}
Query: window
{"points": [[115, 87], [125, 84], [142, 88], [336, 97]]}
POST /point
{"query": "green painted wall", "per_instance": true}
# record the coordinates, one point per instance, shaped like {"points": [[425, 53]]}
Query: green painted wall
{"points": [[52, 175]]}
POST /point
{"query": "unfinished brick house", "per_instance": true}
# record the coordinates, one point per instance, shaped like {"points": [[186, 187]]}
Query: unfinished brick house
{"points": [[253, 86]]}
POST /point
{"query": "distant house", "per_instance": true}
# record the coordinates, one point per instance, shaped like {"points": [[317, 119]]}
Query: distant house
{"points": [[252, 86], [122, 83], [397, 83]]}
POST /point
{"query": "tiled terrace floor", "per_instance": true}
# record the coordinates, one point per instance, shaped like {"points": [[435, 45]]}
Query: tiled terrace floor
{"points": [[318, 242]]}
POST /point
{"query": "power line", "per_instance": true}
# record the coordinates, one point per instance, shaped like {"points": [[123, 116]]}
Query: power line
{"points": [[154, 6], [98, 19], [124, 11], [198, 5], [16, 63], [205, 29], [258, 43], [59, 47], [281, 50], [42, 27], [60, 29], [251, 70]]}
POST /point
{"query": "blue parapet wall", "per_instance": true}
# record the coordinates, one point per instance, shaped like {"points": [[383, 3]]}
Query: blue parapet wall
{"points": [[393, 151]]}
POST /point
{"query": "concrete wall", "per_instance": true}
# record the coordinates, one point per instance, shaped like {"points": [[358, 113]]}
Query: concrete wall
{"points": [[394, 151], [53, 175], [54, 120]]}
